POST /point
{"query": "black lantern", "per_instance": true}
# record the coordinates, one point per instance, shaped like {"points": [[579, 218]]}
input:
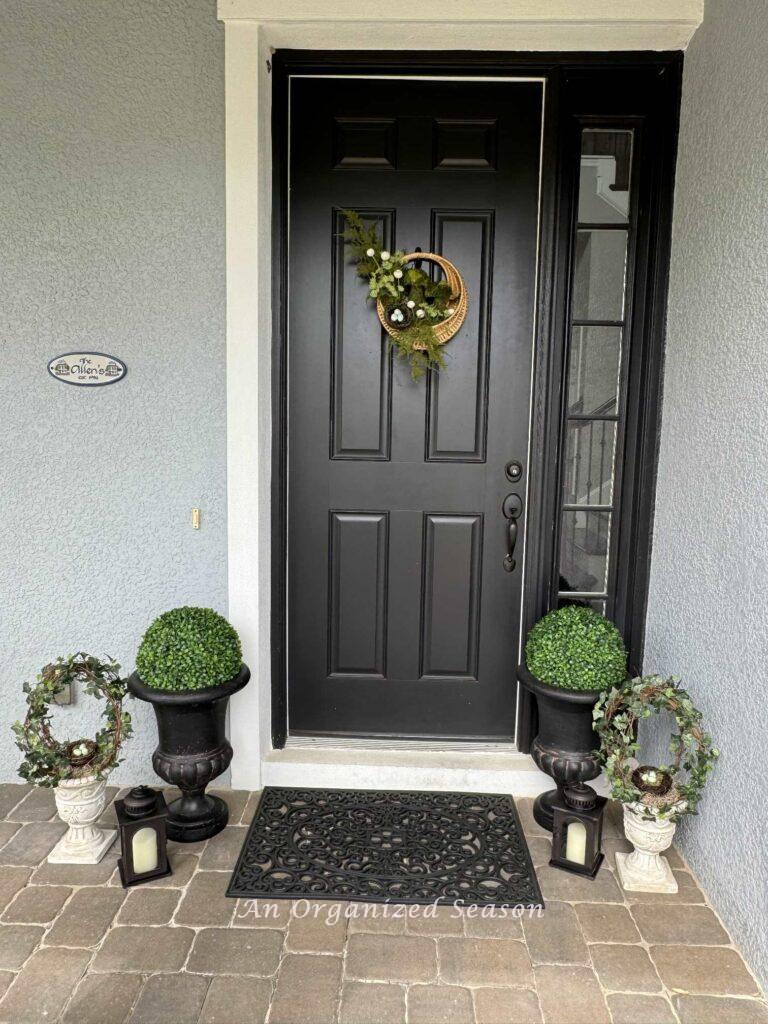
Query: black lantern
{"points": [[141, 818], [577, 830]]}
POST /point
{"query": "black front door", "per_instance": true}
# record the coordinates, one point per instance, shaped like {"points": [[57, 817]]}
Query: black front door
{"points": [[402, 618]]}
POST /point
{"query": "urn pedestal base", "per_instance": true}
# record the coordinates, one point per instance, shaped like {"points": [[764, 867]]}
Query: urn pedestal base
{"points": [[191, 824], [80, 803], [636, 878], [90, 852], [542, 808], [645, 870]]}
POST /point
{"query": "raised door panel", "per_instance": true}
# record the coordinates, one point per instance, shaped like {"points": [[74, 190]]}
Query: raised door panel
{"points": [[365, 142], [451, 595], [358, 552], [361, 363], [458, 396]]}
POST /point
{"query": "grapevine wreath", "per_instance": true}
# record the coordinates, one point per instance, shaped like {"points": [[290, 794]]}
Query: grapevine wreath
{"points": [[668, 791], [418, 313], [48, 761]]}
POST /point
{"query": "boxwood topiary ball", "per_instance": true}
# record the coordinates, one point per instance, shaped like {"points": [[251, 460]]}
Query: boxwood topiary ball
{"points": [[576, 648], [189, 649]]}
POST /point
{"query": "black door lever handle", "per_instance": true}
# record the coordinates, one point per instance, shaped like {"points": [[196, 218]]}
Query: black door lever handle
{"points": [[509, 562], [511, 508]]}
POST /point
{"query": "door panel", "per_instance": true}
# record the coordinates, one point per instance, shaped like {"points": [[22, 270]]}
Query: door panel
{"points": [[401, 618], [357, 562], [450, 596], [458, 403], [361, 367]]}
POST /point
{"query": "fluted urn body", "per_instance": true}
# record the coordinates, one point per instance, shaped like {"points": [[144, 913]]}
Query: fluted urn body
{"points": [[192, 750], [565, 746]]}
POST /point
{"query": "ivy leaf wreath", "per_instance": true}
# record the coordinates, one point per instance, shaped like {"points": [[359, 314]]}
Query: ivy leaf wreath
{"points": [[616, 715], [414, 302], [47, 760]]}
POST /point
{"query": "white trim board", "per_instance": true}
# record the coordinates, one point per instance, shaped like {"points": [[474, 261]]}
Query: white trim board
{"points": [[253, 29], [473, 24]]}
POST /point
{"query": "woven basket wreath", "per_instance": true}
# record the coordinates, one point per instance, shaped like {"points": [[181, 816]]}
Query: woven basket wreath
{"points": [[445, 329], [419, 312]]}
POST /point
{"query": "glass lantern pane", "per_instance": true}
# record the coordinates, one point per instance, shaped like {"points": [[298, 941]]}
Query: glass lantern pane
{"points": [[589, 459], [598, 280], [593, 371], [584, 542], [144, 850], [606, 165]]}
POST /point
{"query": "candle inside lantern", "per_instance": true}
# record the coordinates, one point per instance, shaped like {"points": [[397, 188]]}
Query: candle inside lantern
{"points": [[144, 850], [576, 843]]}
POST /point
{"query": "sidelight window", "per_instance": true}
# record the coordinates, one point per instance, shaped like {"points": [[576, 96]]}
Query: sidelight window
{"points": [[596, 368]]}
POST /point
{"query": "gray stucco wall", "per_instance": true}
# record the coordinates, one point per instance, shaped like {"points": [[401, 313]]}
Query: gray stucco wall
{"points": [[112, 237], [706, 619]]}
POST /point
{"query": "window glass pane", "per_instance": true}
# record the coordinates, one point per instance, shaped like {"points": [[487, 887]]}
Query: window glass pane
{"points": [[583, 602], [588, 470], [593, 371], [584, 540], [598, 285], [606, 160]]}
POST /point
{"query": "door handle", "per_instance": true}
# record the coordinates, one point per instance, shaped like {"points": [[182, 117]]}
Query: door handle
{"points": [[509, 562], [511, 508]]}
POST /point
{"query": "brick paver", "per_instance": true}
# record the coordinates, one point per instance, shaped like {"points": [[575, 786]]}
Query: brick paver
{"points": [[75, 948]]}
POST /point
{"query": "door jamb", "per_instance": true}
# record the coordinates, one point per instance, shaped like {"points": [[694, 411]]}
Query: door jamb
{"points": [[560, 70]]}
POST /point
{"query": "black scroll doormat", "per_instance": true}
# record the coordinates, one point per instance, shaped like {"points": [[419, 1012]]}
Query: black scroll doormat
{"points": [[386, 847]]}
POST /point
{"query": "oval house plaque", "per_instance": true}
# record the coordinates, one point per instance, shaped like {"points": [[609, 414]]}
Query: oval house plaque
{"points": [[87, 369]]}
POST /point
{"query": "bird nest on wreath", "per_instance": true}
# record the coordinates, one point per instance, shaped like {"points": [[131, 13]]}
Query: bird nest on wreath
{"points": [[418, 313]]}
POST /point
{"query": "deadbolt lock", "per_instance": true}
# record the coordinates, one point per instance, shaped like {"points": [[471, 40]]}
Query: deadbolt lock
{"points": [[513, 471]]}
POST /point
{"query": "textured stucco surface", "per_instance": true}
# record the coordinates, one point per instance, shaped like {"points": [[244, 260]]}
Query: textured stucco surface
{"points": [[112, 237], [706, 619]]}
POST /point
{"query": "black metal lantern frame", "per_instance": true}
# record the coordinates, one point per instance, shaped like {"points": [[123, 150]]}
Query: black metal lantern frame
{"points": [[579, 804], [142, 808]]}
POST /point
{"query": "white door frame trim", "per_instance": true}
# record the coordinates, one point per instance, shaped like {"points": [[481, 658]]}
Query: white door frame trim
{"points": [[253, 30]]}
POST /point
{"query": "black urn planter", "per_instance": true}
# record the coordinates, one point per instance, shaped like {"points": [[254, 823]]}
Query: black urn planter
{"points": [[566, 742], [193, 750]]}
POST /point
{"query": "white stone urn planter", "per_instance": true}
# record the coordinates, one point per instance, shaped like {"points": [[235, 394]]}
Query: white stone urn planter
{"points": [[80, 803], [645, 870]]}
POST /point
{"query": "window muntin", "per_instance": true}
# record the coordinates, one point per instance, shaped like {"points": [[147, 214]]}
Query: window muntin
{"points": [[597, 346]]}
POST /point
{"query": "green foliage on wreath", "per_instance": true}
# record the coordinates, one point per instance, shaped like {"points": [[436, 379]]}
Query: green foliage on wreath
{"points": [[393, 281], [616, 716], [189, 649], [576, 648], [46, 760]]}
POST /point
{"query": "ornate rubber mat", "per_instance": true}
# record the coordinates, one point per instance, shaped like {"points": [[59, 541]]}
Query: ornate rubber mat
{"points": [[390, 847]]}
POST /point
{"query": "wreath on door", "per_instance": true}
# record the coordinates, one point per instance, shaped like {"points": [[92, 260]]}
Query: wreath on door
{"points": [[418, 313]]}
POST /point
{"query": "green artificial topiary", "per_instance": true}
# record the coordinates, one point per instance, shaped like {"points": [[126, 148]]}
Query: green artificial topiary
{"points": [[189, 649], [577, 649]]}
